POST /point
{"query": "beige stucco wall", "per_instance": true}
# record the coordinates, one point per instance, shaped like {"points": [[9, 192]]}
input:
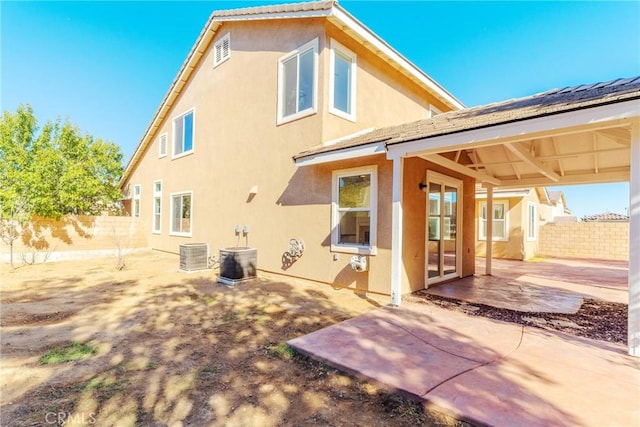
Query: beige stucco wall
{"points": [[238, 145], [596, 240]]}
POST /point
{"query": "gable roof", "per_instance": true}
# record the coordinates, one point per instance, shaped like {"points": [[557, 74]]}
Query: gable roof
{"points": [[326, 8], [547, 103]]}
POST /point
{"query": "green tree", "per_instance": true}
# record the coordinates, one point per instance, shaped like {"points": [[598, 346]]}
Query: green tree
{"points": [[52, 172]]}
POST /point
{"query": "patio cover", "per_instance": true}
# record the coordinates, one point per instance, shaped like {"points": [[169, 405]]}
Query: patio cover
{"points": [[576, 135]]}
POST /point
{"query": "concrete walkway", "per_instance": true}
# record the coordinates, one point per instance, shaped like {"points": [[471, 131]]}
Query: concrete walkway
{"points": [[485, 371]]}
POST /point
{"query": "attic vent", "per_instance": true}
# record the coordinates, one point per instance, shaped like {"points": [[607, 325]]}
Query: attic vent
{"points": [[194, 256], [222, 50]]}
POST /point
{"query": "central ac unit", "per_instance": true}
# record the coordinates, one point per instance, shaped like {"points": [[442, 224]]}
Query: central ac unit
{"points": [[194, 256]]}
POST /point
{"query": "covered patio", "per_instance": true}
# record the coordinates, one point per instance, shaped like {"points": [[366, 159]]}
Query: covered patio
{"points": [[576, 135], [579, 135]]}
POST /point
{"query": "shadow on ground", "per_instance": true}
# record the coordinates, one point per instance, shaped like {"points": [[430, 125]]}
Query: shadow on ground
{"points": [[179, 349]]}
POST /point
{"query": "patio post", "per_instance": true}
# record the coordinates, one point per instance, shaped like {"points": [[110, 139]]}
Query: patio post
{"points": [[396, 232], [489, 233], [634, 243]]}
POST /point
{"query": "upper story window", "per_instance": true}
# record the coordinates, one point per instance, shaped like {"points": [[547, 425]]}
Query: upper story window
{"points": [[500, 221], [342, 94], [222, 50], [354, 210], [297, 82], [183, 134], [162, 145], [137, 192]]}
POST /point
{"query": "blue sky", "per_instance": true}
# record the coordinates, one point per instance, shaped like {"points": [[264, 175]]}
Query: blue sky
{"points": [[107, 65]]}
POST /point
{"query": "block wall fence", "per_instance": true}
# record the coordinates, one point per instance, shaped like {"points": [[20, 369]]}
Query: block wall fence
{"points": [[597, 240], [76, 237]]}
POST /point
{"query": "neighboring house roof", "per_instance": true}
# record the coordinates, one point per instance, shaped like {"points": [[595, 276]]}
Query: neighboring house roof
{"points": [[556, 196], [548, 103], [328, 9], [605, 217]]}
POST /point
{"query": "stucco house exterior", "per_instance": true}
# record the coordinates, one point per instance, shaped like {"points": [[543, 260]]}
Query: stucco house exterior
{"points": [[518, 215], [261, 85], [385, 161]]}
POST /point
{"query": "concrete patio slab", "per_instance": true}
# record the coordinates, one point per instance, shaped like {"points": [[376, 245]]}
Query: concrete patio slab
{"points": [[485, 371], [550, 286], [509, 293]]}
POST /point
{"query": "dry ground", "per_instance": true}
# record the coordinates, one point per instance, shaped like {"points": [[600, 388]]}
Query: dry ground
{"points": [[178, 349]]}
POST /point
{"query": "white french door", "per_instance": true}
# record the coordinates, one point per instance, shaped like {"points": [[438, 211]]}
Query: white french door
{"points": [[444, 228]]}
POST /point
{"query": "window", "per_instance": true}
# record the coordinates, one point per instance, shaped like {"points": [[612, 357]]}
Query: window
{"points": [[354, 210], [157, 206], [532, 223], [222, 50], [183, 134], [297, 75], [343, 82], [162, 145], [181, 210], [500, 221], [137, 190]]}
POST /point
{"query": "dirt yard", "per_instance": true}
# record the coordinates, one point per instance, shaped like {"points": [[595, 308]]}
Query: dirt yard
{"points": [[178, 349]]}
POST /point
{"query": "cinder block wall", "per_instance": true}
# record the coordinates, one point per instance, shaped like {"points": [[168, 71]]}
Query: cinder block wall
{"points": [[76, 237], [598, 240]]}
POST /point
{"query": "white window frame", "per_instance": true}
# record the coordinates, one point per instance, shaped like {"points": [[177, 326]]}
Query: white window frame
{"points": [[371, 249], [532, 219], [482, 225], [219, 46], [157, 195], [281, 119], [163, 143], [171, 229], [193, 134], [335, 49], [136, 207]]}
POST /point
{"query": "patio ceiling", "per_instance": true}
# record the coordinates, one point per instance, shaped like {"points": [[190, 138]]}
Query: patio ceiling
{"points": [[580, 157]]}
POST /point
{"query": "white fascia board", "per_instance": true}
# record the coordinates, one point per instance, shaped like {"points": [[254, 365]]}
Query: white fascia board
{"points": [[379, 45], [344, 154], [278, 15], [590, 118]]}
